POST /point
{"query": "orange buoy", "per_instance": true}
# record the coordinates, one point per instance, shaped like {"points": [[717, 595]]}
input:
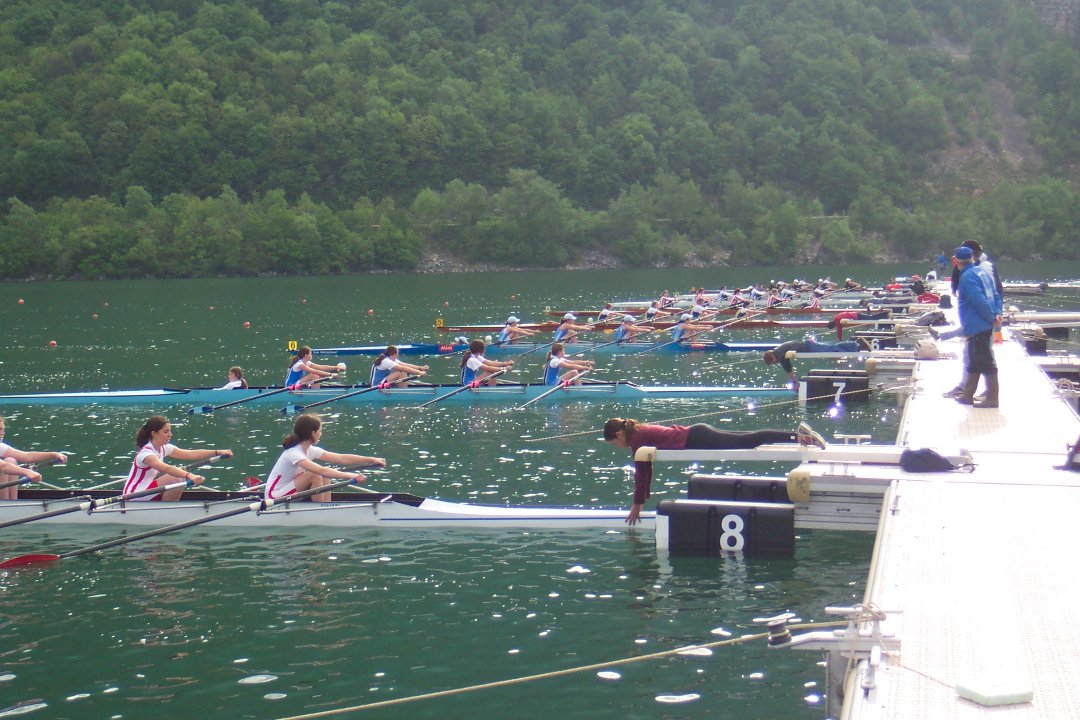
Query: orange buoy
{"points": [[52, 343], [247, 324]]}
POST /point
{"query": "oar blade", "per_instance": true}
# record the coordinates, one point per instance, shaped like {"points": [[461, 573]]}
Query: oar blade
{"points": [[33, 559], [201, 410]]}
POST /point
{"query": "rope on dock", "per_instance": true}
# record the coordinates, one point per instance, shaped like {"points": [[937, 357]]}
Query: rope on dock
{"points": [[553, 673]]}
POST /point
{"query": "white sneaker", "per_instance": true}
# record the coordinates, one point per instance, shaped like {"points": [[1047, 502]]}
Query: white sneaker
{"points": [[806, 436]]}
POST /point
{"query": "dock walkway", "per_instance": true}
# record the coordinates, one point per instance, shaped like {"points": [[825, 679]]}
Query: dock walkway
{"points": [[977, 573]]}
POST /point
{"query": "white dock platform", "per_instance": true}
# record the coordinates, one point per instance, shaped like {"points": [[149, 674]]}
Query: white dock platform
{"points": [[977, 573]]}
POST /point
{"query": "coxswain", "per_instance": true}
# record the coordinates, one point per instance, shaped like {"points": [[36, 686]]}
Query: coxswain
{"points": [[236, 379]]}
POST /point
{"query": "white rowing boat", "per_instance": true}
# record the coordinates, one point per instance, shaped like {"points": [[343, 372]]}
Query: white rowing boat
{"points": [[347, 510]]}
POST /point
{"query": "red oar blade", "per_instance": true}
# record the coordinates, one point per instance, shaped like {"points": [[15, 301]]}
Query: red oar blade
{"points": [[36, 559]]}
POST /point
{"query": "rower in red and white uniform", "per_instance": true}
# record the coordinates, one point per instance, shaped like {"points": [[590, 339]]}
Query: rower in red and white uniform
{"points": [[152, 439], [10, 469], [296, 469]]}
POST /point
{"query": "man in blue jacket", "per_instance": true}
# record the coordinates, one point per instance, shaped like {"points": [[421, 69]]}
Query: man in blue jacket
{"points": [[978, 310]]}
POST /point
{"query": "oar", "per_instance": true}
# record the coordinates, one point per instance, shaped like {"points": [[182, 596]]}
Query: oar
{"points": [[538, 347], [257, 506], [301, 408], [470, 386], [211, 408], [89, 504], [562, 385], [188, 468]]}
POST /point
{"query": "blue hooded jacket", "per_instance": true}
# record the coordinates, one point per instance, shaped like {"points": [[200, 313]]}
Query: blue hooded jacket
{"points": [[977, 301]]}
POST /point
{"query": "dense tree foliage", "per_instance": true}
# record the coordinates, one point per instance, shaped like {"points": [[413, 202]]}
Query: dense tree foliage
{"points": [[140, 138]]}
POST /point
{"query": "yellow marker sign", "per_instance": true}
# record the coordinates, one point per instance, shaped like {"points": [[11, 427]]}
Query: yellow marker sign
{"points": [[438, 322], [293, 346]]}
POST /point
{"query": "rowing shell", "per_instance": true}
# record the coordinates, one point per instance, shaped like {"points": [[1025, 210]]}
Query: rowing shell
{"points": [[346, 510], [582, 347], [510, 393]]}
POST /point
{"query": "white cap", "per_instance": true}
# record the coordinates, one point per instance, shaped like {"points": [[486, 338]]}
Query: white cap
{"points": [[628, 318], [569, 316], [684, 316], [511, 319]]}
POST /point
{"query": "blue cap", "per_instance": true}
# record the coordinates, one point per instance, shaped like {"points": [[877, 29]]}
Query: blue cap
{"points": [[963, 253]]}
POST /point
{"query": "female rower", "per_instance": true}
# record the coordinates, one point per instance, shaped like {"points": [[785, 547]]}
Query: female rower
{"points": [[475, 368], [236, 380], [567, 330], [627, 330], [152, 439], [304, 372], [633, 434], [683, 329], [388, 369], [10, 468], [511, 332], [296, 469], [556, 362]]}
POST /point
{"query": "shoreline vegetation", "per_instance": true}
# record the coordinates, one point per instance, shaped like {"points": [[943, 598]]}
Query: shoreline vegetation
{"points": [[248, 138]]}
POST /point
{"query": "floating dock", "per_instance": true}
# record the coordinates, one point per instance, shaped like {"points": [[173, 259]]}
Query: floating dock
{"points": [[974, 575]]}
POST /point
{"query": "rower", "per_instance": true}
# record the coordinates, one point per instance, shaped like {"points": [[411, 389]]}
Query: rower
{"points": [[475, 368], [387, 369], [153, 440], [567, 330], [627, 330], [683, 328], [296, 469], [557, 362], [511, 332], [654, 312], [304, 372], [9, 467]]}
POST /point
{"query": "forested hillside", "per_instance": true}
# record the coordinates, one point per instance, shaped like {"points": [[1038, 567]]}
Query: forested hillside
{"points": [[179, 137]]}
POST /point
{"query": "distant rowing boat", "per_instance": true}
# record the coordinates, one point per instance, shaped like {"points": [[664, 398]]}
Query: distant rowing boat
{"points": [[347, 510], [579, 347], [510, 393]]}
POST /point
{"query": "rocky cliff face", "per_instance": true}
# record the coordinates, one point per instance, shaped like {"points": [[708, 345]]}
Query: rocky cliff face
{"points": [[1063, 16]]}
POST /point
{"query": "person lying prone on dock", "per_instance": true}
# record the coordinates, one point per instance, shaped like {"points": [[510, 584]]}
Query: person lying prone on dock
{"points": [[635, 435], [779, 354]]}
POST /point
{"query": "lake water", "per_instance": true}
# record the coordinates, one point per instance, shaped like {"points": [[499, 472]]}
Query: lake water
{"points": [[221, 624]]}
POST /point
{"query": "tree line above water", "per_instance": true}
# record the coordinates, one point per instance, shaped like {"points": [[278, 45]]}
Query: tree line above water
{"points": [[143, 138]]}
